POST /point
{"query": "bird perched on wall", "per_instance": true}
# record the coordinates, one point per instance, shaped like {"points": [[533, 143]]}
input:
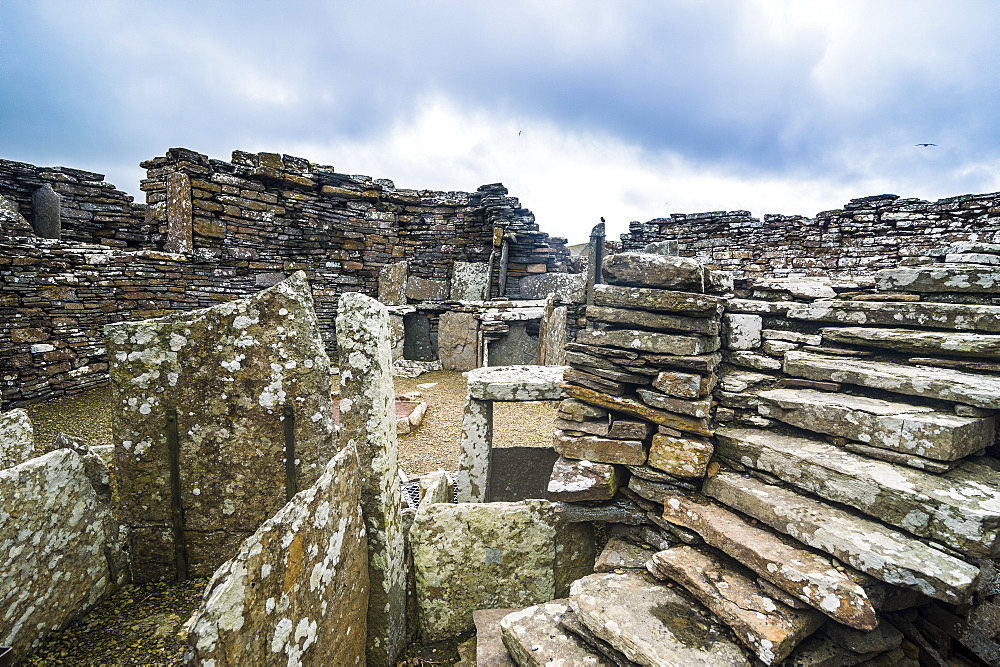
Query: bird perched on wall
{"points": [[925, 145], [602, 218]]}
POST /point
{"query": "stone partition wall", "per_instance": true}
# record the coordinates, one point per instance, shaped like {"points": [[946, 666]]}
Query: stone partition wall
{"points": [[867, 234]]}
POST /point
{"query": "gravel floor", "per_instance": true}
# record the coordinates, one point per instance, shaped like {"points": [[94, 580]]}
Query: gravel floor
{"points": [[139, 625]]}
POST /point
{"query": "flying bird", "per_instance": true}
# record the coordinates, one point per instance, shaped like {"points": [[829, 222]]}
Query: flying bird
{"points": [[925, 145]]}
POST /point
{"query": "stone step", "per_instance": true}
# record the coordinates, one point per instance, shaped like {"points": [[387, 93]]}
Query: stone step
{"points": [[873, 548], [652, 624], [901, 427], [940, 278], [767, 626], [917, 342], [960, 508], [948, 385], [953, 316], [795, 569]]}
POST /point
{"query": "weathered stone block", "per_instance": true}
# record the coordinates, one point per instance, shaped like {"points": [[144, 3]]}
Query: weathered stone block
{"points": [[940, 278], [652, 320], [684, 385], [573, 480], [17, 441], [516, 383], [297, 590], [649, 341], [665, 272], [534, 637], [426, 289], [392, 284], [644, 298], [458, 341], [566, 287], [680, 457], [470, 281], [918, 342], [602, 450], [46, 207], [180, 232], [699, 409], [960, 317], [741, 332], [633, 407], [229, 372]]}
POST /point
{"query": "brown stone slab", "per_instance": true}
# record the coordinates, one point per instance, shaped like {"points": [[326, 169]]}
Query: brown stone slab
{"points": [[619, 554], [684, 385], [634, 408], [667, 272], [601, 450], [779, 559], [651, 320], [681, 457], [594, 382], [490, 650], [600, 427], [624, 429], [698, 409]]}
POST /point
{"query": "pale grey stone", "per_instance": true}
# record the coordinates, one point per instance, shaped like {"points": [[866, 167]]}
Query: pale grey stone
{"points": [[180, 210], [46, 208], [699, 409], [398, 333], [470, 281], [426, 289], [652, 320], [368, 425], [574, 481], [649, 341], [435, 487], [748, 359], [960, 317], [296, 592], [777, 348], [741, 332], [534, 638], [392, 283], [407, 368], [962, 247], [885, 553], [940, 278], [802, 288], [517, 347], [961, 509], [650, 623], [622, 554], [474, 451], [17, 441], [982, 391], [565, 287], [552, 334], [458, 341], [490, 650], [791, 336], [918, 342], [61, 552], [668, 248], [971, 258], [665, 272], [901, 427], [665, 301], [516, 383]]}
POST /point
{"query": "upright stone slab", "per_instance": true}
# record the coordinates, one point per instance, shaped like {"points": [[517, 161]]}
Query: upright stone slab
{"points": [[59, 548], [566, 287], [392, 284], [552, 333], [426, 289], [297, 591], [17, 442], [470, 281], [229, 372], [46, 212], [458, 341], [180, 232], [368, 424]]}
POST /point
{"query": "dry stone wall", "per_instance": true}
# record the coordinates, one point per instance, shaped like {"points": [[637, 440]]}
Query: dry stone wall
{"points": [[867, 234]]}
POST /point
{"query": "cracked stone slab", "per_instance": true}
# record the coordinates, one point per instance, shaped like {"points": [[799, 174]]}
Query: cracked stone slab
{"points": [[652, 624], [808, 576], [516, 383], [960, 317], [869, 546], [649, 341], [616, 296], [982, 391], [917, 342], [767, 626], [17, 441], [960, 508], [598, 449], [699, 409], [912, 429], [621, 554], [534, 638]]}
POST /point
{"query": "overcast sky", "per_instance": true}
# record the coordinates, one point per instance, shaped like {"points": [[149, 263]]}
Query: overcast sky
{"points": [[627, 110]]}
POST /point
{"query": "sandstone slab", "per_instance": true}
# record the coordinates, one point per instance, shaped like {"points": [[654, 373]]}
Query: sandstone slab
{"points": [[634, 408], [516, 383], [597, 449], [60, 553], [699, 409], [959, 317], [901, 427], [867, 545], [680, 457], [767, 626], [804, 574], [566, 287], [961, 510], [741, 331], [297, 590], [229, 377], [620, 554], [684, 385], [490, 650], [573, 481], [392, 284], [650, 623], [458, 341], [470, 281], [658, 300], [649, 341], [552, 334], [982, 391], [918, 342], [665, 272], [17, 441], [534, 638], [426, 289], [940, 278], [646, 319]]}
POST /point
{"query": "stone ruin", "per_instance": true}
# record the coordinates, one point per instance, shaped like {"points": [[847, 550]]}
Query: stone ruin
{"points": [[783, 469]]}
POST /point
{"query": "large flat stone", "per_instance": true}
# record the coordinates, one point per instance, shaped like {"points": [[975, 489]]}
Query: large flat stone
{"points": [[900, 427], [658, 300], [870, 546], [960, 317], [652, 320], [940, 278], [982, 391], [803, 573], [630, 406], [650, 623], [767, 626], [917, 342], [17, 440], [649, 341], [699, 409], [470, 281], [490, 650], [665, 272], [297, 590], [392, 283], [598, 449], [961, 510], [534, 638], [458, 341], [59, 544], [516, 383], [573, 481]]}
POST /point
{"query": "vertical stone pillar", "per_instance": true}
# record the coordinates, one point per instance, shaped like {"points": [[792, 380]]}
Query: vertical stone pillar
{"points": [[474, 456], [180, 234], [595, 251], [552, 334], [392, 283], [368, 424], [46, 212]]}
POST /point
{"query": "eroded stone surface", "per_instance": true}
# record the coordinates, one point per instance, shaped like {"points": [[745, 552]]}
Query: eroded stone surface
{"points": [[680, 457], [474, 451], [229, 371], [566, 287], [658, 300], [297, 591], [17, 440], [940, 278], [649, 341], [961, 510], [917, 342], [598, 449], [770, 628], [368, 426], [534, 637], [54, 530], [887, 554], [470, 281], [392, 283], [652, 320], [633, 407], [426, 289], [665, 272], [960, 317], [650, 623], [621, 554], [516, 383], [573, 481], [741, 332], [458, 336]]}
